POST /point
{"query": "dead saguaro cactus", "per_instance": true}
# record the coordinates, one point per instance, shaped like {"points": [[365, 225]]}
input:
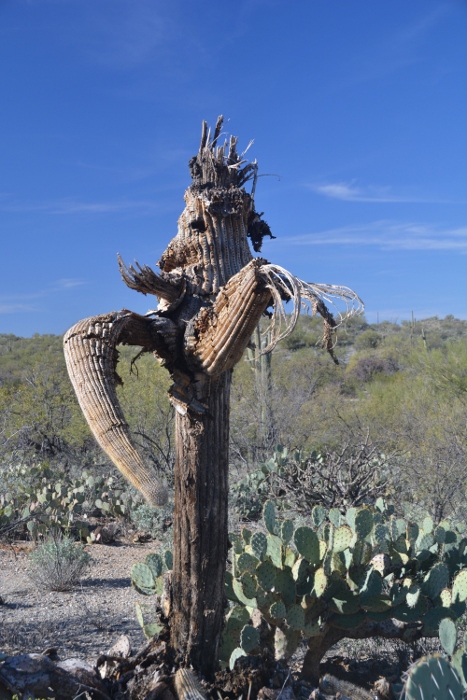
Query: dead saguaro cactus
{"points": [[212, 293]]}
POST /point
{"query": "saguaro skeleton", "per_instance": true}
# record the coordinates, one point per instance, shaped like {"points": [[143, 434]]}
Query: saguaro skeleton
{"points": [[212, 294]]}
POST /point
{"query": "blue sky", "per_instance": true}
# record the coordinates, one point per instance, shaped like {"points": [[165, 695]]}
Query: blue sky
{"points": [[357, 108]]}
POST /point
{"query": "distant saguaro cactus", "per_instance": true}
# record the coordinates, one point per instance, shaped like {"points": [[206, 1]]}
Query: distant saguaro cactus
{"points": [[212, 294]]}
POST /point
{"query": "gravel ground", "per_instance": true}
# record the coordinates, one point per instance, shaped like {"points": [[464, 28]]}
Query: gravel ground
{"points": [[82, 623]]}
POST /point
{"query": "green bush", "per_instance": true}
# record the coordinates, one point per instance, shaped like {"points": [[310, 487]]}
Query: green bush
{"points": [[365, 573], [58, 563]]}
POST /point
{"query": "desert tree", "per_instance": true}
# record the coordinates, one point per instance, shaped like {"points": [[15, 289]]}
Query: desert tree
{"points": [[212, 294]]}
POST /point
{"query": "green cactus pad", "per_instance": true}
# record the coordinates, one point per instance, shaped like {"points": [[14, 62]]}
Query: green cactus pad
{"points": [[345, 603], [169, 560], [377, 603], [412, 531], [347, 622], [249, 638], [241, 595], [312, 629], [406, 614], [249, 584], [320, 582], [246, 562], [150, 630], [266, 575], [439, 534], [459, 663], [381, 533], [269, 517], [295, 617], [139, 614], [285, 643], [246, 535], [445, 598], [236, 542], [427, 525], [363, 522], [278, 610], [318, 515], [302, 577], [334, 516], [413, 594], [372, 584], [435, 580], [425, 541], [289, 557], [448, 635], [154, 561], [287, 528], [285, 586], [230, 641], [459, 587], [307, 544], [259, 545], [228, 587], [432, 677], [274, 550], [343, 537], [300, 570], [236, 654], [237, 618], [350, 517], [361, 553], [142, 579]]}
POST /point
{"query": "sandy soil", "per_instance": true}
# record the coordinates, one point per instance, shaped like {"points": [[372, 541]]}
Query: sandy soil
{"points": [[84, 622]]}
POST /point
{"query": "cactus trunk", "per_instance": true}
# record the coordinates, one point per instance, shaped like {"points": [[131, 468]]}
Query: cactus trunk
{"points": [[200, 530]]}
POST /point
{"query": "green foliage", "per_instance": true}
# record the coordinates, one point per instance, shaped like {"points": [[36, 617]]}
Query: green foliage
{"points": [[155, 521], [368, 339], [372, 567], [58, 563], [147, 579], [432, 677], [48, 500]]}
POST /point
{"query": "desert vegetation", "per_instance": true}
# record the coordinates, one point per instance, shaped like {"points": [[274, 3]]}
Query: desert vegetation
{"points": [[311, 439]]}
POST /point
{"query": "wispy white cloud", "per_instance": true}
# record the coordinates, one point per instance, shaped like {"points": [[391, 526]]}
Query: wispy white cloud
{"points": [[69, 282], [15, 308], [350, 192], [390, 235], [74, 206], [24, 303]]}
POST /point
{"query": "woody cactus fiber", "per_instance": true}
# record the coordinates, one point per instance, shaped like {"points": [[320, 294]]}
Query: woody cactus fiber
{"points": [[212, 294]]}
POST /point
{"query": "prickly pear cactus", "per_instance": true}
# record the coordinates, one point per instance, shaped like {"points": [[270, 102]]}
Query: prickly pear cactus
{"points": [[343, 570], [432, 678], [338, 571]]}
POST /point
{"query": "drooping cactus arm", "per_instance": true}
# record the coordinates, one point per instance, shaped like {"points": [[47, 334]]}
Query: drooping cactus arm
{"points": [[91, 355], [219, 334]]}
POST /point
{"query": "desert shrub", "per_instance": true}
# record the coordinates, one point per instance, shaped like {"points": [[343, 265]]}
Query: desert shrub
{"points": [[368, 367], [354, 475], [155, 521], [58, 563], [368, 340]]}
